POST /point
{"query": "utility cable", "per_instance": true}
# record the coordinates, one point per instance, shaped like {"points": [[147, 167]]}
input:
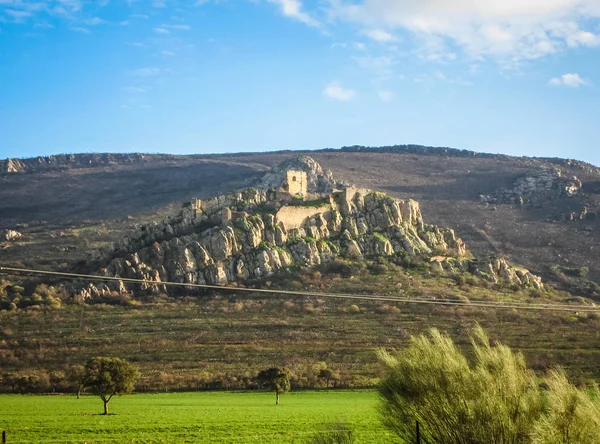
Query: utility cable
{"points": [[383, 298]]}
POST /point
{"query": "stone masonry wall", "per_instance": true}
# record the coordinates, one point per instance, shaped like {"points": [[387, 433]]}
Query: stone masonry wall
{"points": [[294, 217]]}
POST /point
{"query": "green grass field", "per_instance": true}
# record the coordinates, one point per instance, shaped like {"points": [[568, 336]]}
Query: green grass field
{"points": [[207, 417]]}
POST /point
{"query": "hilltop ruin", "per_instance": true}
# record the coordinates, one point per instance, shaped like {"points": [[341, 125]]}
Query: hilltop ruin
{"points": [[250, 234]]}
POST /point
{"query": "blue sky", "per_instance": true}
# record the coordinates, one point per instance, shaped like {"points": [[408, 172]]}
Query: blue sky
{"points": [[177, 76]]}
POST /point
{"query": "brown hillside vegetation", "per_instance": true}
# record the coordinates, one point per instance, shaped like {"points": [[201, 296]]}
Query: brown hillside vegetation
{"points": [[64, 210]]}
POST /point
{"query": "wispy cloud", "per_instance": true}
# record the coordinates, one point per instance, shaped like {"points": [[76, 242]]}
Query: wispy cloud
{"points": [[380, 36], [95, 21], [144, 72], [293, 9], [509, 31], [336, 91], [569, 80], [44, 26], [135, 89], [178, 27], [385, 95], [18, 14], [161, 31], [80, 29]]}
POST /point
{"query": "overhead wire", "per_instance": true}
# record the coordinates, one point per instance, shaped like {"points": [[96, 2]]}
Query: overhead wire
{"points": [[351, 296]]}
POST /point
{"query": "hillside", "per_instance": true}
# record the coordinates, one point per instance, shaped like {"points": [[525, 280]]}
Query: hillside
{"points": [[75, 206], [218, 220]]}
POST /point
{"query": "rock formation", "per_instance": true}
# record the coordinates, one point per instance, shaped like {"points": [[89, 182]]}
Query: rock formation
{"points": [[249, 235], [319, 181], [66, 161], [537, 187]]}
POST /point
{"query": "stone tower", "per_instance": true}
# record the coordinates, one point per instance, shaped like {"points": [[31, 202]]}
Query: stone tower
{"points": [[296, 182]]}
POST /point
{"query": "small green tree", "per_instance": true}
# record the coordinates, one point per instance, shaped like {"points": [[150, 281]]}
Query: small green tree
{"points": [[276, 379], [75, 377], [107, 377], [327, 374]]}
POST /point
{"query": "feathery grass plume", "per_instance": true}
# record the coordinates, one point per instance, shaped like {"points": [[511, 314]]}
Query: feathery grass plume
{"points": [[496, 400], [572, 417]]}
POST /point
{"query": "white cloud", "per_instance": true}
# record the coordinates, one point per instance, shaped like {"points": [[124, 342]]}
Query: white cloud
{"points": [[178, 27], [18, 14], [570, 80], [135, 89], [380, 36], [161, 31], [335, 91], [292, 8], [144, 72], [80, 29], [94, 21], [385, 95], [507, 30], [166, 53]]}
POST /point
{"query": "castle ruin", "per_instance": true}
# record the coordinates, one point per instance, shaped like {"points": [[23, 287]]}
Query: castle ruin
{"points": [[296, 182]]}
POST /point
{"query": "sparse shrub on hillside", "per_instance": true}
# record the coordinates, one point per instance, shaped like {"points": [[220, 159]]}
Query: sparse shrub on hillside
{"points": [[354, 309]]}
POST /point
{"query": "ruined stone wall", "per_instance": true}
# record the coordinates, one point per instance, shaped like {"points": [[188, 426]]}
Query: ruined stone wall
{"points": [[294, 217]]}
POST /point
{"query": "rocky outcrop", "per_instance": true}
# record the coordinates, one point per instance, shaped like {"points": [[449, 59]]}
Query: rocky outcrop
{"points": [[9, 235], [67, 161], [251, 234], [537, 187], [498, 271], [319, 181], [200, 246]]}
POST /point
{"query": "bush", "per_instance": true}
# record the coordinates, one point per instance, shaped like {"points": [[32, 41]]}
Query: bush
{"points": [[354, 308], [571, 416], [495, 399]]}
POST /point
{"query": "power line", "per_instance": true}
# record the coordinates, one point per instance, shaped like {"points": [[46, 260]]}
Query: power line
{"points": [[382, 298]]}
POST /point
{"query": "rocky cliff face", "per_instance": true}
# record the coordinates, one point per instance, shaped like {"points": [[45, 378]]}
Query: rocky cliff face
{"points": [[249, 235]]}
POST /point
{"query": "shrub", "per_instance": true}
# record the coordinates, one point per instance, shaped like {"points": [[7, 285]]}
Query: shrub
{"points": [[495, 399], [571, 416], [354, 308]]}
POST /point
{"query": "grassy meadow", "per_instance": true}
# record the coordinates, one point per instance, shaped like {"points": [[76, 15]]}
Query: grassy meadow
{"points": [[208, 417]]}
